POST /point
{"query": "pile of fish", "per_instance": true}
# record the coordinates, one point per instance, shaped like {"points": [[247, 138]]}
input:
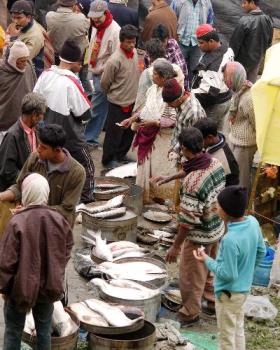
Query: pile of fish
{"points": [[127, 170], [112, 251], [109, 188], [142, 271], [110, 209], [99, 313], [125, 289], [62, 324], [161, 237]]}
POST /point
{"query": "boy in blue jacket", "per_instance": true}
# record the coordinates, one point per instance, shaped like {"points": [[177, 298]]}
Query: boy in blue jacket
{"points": [[241, 249]]}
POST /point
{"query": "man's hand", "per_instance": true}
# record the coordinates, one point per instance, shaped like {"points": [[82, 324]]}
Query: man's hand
{"points": [[126, 123], [200, 254], [159, 180], [148, 123], [172, 254]]}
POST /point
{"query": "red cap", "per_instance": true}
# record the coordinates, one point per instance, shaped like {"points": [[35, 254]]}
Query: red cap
{"points": [[203, 29]]}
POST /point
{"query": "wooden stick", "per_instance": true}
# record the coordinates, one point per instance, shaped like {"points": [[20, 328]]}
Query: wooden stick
{"points": [[254, 187]]}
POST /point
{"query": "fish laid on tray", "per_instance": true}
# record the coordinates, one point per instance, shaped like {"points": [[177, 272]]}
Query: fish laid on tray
{"points": [[62, 324], [107, 188], [109, 205], [127, 170], [86, 315], [134, 270], [110, 214], [124, 290]]}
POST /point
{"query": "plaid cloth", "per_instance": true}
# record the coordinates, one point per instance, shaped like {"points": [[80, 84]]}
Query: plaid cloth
{"points": [[187, 115], [173, 55]]}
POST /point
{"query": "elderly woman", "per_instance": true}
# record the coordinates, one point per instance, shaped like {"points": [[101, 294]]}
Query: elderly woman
{"points": [[17, 79], [242, 129], [154, 125]]}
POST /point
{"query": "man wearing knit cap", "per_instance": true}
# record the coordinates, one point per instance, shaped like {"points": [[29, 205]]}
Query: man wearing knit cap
{"points": [[191, 14], [17, 78], [208, 83], [69, 107], [103, 43], [30, 32], [188, 108], [241, 250]]}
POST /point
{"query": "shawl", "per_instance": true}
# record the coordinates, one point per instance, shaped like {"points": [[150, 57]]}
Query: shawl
{"points": [[202, 161], [14, 86], [99, 35], [144, 140], [35, 190]]}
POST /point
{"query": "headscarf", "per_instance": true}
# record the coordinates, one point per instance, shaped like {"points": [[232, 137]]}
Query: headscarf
{"points": [[35, 190], [2, 38], [235, 76], [18, 50]]}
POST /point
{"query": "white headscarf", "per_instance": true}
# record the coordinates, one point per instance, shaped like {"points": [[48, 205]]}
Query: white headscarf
{"points": [[35, 190]]}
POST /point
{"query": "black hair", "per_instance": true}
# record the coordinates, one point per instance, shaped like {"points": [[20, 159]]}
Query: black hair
{"points": [[161, 32], [192, 139], [210, 36], [128, 32], [155, 49], [207, 126], [256, 2], [52, 135]]}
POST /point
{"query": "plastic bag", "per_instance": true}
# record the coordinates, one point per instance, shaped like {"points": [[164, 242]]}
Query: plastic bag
{"points": [[260, 308]]}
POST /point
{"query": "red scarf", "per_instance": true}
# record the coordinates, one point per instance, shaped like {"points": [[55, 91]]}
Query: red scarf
{"points": [[129, 54], [99, 35], [145, 139], [200, 162]]}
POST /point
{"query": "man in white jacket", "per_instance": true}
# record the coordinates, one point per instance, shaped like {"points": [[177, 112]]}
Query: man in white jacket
{"points": [[103, 43]]}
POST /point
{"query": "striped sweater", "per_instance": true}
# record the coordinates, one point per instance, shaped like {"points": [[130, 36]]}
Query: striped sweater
{"points": [[198, 204]]}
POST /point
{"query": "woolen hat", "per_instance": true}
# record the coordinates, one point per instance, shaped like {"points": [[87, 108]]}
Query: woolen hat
{"points": [[18, 50], [171, 91], [70, 52], [97, 8], [67, 3], [23, 6], [203, 30], [233, 200]]}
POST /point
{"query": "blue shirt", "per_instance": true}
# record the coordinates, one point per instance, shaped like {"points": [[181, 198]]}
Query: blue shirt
{"points": [[241, 249]]}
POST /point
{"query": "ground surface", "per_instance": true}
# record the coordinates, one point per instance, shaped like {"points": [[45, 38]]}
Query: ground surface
{"points": [[260, 335]]}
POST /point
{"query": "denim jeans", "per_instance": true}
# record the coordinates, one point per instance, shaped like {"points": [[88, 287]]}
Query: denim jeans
{"points": [[14, 325], [99, 112], [192, 55]]}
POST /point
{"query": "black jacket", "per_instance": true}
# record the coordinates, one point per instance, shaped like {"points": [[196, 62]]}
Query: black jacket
{"points": [[222, 152], [251, 38], [14, 151], [123, 15]]}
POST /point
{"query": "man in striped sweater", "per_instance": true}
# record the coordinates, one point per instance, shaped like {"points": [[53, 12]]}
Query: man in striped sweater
{"points": [[199, 224]]}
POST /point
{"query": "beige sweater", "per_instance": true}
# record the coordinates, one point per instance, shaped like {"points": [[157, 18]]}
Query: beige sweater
{"points": [[243, 130], [120, 78], [33, 39]]}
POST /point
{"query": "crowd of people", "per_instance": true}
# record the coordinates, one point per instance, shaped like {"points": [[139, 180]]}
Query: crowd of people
{"points": [[170, 88]]}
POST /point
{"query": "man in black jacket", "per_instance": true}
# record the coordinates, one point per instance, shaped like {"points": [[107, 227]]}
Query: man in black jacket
{"points": [[215, 144], [20, 139], [251, 38]]}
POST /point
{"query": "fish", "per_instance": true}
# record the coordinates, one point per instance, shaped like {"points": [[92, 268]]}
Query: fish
{"points": [[29, 326], [113, 190], [130, 254], [119, 252], [112, 213], [110, 204], [160, 234], [127, 170], [88, 240], [121, 245], [107, 185], [130, 284], [86, 315], [61, 321], [112, 314], [123, 292], [101, 249]]}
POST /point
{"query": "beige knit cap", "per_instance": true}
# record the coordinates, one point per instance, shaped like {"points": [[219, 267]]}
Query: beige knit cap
{"points": [[18, 50]]}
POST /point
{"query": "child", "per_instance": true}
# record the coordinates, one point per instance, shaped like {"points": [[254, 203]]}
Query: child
{"points": [[241, 249]]}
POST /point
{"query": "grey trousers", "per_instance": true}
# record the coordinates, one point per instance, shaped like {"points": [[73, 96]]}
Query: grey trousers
{"points": [[14, 325], [218, 113]]}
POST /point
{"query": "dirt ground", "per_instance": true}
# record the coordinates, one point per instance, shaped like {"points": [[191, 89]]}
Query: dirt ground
{"points": [[260, 335]]}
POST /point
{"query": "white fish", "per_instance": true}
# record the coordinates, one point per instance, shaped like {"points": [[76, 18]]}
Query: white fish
{"points": [[121, 245], [112, 203], [161, 234], [88, 240], [112, 213], [29, 326], [113, 190], [107, 185], [61, 321], [130, 254], [127, 170], [101, 249], [86, 315], [112, 314], [131, 284], [119, 252], [86, 258]]}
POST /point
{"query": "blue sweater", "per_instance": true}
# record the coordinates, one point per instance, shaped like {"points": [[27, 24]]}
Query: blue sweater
{"points": [[241, 249]]}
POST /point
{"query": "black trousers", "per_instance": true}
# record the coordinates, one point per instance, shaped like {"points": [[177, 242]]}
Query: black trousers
{"points": [[83, 156], [117, 141]]}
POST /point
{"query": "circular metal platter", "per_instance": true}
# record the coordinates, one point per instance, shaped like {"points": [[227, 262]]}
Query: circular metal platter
{"points": [[157, 216]]}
